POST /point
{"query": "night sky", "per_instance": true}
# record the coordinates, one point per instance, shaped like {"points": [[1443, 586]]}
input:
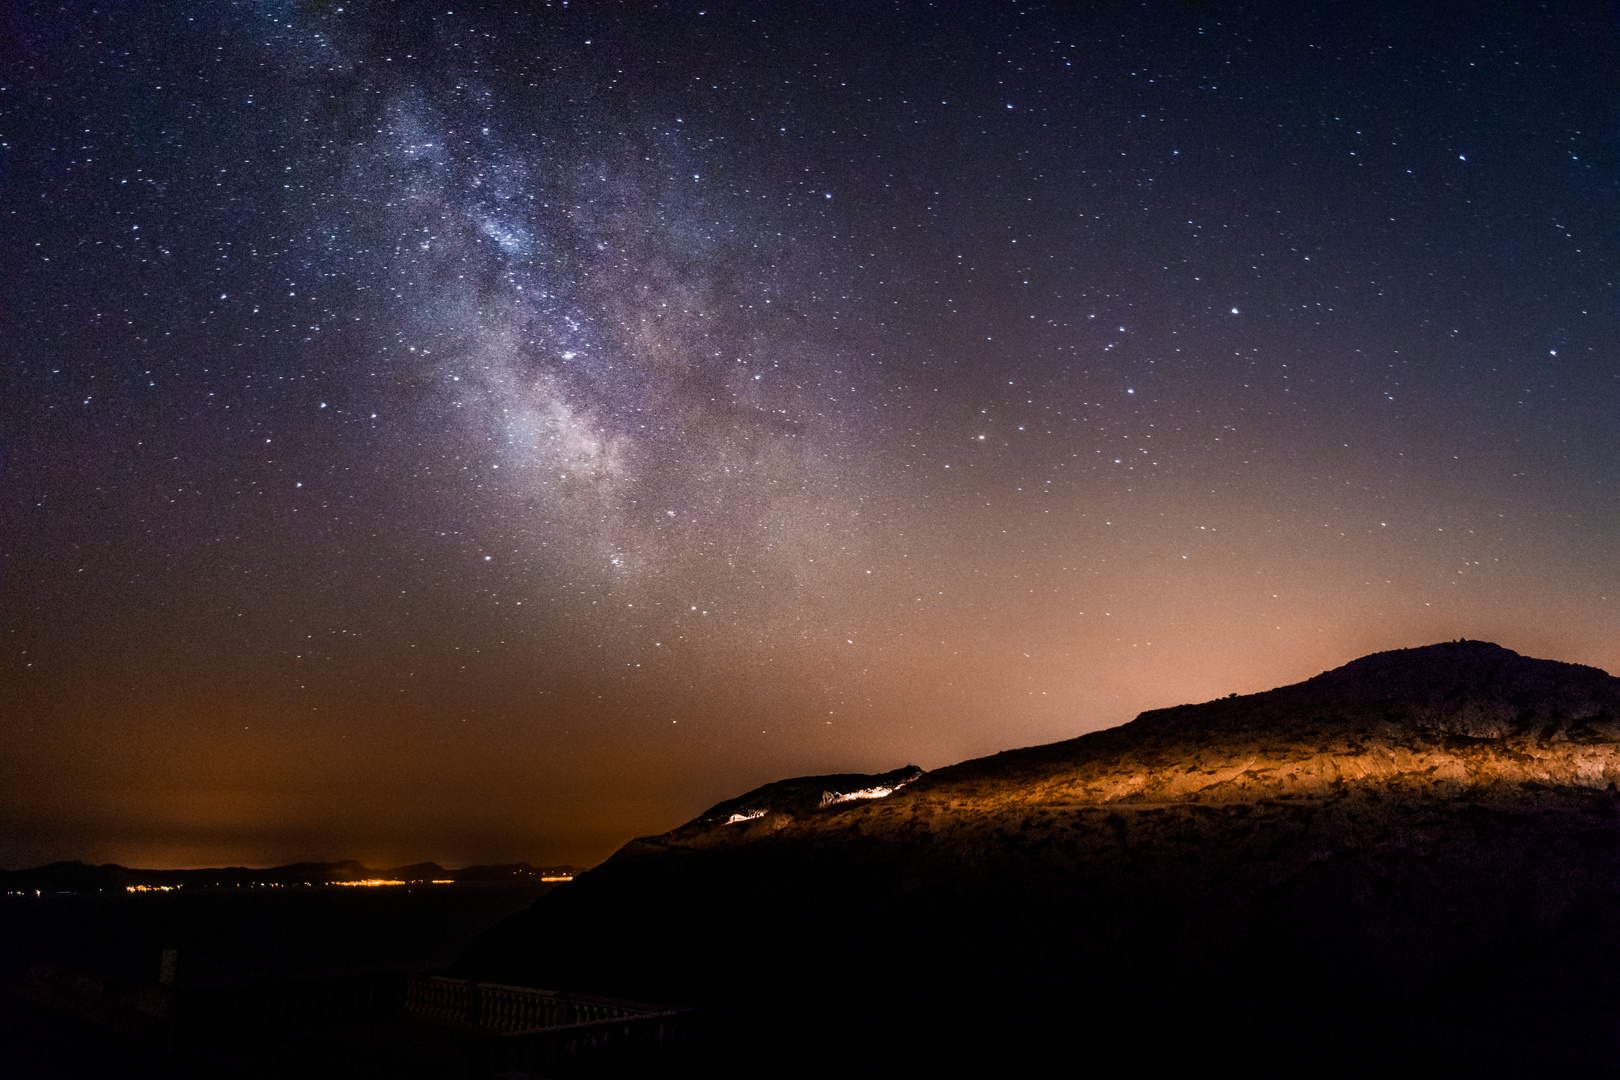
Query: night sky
{"points": [[481, 433]]}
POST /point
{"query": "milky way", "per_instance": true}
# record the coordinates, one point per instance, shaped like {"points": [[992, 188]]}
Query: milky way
{"points": [[445, 432]]}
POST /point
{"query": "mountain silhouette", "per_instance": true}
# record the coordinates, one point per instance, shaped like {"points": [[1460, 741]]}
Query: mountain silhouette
{"points": [[1415, 856]]}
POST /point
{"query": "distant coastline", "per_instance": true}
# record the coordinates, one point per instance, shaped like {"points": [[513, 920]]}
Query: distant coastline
{"points": [[77, 878]]}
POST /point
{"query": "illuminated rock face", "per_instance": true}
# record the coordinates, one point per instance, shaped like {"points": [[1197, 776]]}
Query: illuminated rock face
{"points": [[807, 793], [1421, 848]]}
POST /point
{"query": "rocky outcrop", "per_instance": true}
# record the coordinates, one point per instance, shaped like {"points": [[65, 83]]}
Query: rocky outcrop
{"points": [[806, 794], [1421, 847]]}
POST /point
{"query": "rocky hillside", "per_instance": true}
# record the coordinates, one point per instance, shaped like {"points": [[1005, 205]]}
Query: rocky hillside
{"points": [[1417, 853]]}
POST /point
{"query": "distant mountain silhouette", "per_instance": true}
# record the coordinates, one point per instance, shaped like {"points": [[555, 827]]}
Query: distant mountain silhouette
{"points": [[1413, 857], [78, 877]]}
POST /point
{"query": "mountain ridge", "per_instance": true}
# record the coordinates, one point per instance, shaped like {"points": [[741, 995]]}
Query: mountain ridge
{"points": [[1450, 716]]}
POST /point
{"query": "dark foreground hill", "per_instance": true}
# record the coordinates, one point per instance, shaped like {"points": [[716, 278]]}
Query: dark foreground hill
{"points": [[1414, 858]]}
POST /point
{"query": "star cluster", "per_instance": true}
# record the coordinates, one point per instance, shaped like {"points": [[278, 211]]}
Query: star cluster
{"points": [[446, 431]]}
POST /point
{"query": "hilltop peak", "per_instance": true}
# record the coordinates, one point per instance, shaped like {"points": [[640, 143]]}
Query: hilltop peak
{"points": [[1468, 688]]}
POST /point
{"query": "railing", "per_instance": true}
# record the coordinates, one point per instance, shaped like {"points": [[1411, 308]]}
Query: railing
{"points": [[528, 1030], [440, 999], [511, 1008], [626, 1045]]}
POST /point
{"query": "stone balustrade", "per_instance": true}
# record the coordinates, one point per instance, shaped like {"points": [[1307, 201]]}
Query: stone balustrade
{"points": [[511, 1008], [441, 1000], [625, 1045], [547, 1032]]}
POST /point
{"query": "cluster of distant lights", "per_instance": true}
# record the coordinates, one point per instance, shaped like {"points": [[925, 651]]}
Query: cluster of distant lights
{"points": [[284, 885], [437, 881]]}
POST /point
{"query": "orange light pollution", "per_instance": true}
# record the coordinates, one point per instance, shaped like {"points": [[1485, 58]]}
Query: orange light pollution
{"points": [[1007, 653]]}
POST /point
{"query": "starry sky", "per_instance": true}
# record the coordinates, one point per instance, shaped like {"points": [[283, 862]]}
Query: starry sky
{"points": [[481, 432]]}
